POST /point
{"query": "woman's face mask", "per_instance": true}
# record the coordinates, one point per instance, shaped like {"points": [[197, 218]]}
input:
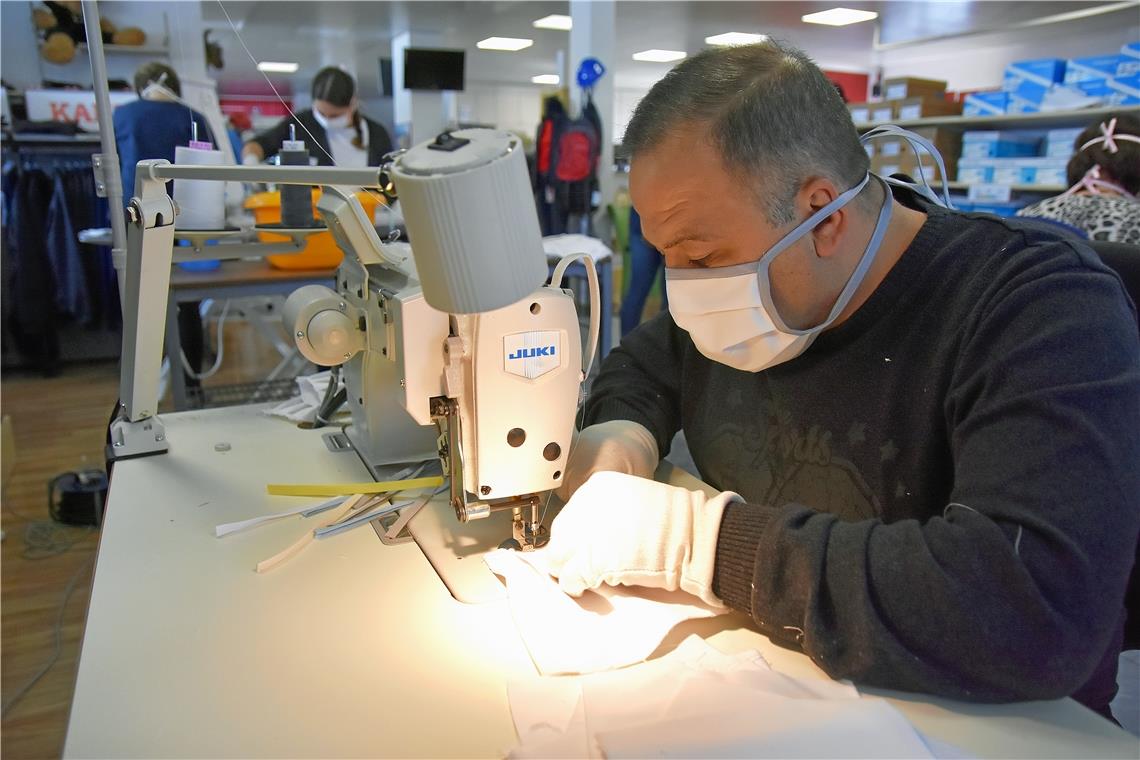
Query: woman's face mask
{"points": [[342, 120]]}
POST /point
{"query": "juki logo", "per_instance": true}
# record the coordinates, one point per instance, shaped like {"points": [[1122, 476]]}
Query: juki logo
{"points": [[527, 353]]}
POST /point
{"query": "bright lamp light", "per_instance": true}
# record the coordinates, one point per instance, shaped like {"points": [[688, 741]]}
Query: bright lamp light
{"points": [[545, 79], [839, 17], [554, 21], [278, 67], [735, 38], [511, 44], [659, 56]]}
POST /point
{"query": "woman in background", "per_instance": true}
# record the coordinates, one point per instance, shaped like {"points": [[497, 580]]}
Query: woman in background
{"points": [[1104, 180], [333, 130]]}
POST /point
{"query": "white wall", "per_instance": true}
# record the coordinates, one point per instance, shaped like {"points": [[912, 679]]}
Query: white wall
{"points": [[22, 65], [514, 107], [977, 61]]}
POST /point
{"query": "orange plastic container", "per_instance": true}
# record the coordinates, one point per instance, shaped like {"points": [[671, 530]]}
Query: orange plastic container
{"points": [[321, 251]]}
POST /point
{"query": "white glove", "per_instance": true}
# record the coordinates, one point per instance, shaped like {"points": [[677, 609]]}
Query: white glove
{"points": [[620, 529], [616, 446], [249, 159]]}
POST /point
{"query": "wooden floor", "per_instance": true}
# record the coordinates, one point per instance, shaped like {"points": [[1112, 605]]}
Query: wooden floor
{"points": [[60, 425]]}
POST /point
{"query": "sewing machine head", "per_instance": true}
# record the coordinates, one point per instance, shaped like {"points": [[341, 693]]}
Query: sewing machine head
{"points": [[480, 364]]}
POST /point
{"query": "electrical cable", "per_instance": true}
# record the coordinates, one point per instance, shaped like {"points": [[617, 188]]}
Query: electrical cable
{"points": [[219, 352], [58, 647]]}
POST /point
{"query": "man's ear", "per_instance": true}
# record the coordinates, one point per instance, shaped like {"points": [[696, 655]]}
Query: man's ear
{"points": [[815, 194]]}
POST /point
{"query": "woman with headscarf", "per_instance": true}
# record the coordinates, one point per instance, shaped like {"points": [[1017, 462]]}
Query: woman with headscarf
{"points": [[333, 130]]}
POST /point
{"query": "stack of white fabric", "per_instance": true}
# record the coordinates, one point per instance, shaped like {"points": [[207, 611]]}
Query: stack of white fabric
{"points": [[303, 407], [693, 702]]}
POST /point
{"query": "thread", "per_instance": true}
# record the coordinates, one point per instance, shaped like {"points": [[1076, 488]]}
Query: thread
{"points": [[201, 203]]}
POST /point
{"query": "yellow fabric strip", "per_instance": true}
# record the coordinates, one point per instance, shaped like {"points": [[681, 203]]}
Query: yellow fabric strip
{"points": [[344, 489]]}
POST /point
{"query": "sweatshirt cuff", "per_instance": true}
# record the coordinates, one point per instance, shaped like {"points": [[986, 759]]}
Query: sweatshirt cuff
{"points": [[741, 527]]}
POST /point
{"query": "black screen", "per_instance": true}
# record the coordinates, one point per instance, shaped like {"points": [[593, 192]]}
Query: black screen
{"points": [[431, 69]]}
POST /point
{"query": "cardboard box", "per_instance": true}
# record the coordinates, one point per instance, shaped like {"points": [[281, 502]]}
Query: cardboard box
{"points": [[860, 112], [906, 163], [1132, 50], [884, 111], [916, 108], [898, 88], [985, 103]]}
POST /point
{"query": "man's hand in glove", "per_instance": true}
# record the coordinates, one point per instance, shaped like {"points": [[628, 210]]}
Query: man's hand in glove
{"points": [[621, 529], [614, 446]]}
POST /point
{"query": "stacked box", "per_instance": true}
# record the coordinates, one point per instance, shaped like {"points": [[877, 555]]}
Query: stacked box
{"points": [[860, 112], [1059, 142], [884, 111], [1027, 83], [1000, 144], [895, 155], [985, 103], [1012, 171], [918, 107], [1132, 50], [1125, 90], [899, 88], [1100, 67]]}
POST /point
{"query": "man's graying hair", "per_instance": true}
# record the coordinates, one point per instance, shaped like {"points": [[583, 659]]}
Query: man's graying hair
{"points": [[771, 113]]}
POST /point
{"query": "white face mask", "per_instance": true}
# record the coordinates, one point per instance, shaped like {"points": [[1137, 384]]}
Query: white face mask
{"points": [[344, 121], [729, 312]]}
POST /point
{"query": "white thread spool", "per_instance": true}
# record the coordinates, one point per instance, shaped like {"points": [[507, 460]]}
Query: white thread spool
{"points": [[201, 202]]}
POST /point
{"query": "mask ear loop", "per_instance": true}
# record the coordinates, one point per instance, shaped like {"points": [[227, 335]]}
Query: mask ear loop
{"points": [[924, 189]]}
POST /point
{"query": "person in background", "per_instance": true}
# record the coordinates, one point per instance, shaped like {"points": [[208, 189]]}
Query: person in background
{"points": [[155, 124], [152, 127], [923, 425], [1104, 181], [645, 262], [333, 130]]}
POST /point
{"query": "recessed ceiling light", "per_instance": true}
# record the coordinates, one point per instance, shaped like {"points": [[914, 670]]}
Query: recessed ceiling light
{"points": [[504, 43], [545, 79], [735, 38], [554, 21], [278, 67], [839, 17], [659, 56]]}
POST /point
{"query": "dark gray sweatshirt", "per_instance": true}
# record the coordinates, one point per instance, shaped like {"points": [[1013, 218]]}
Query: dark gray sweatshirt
{"points": [[944, 491]]}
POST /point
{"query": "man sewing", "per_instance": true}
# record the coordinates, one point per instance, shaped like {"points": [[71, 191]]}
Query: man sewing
{"points": [[925, 424]]}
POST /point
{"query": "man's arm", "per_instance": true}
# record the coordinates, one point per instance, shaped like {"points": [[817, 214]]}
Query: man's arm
{"points": [[1015, 591], [640, 381]]}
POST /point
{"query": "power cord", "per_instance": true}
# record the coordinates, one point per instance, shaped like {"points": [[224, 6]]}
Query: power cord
{"points": [[58, 647]]}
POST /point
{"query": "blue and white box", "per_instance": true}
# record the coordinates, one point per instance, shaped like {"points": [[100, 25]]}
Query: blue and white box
{"points": [[1100, 67], [1027, 83], [975, 171], [994, 144], [1132, 49], [985, 104], [1051, 171], [1125, 90], [1059, 142]]}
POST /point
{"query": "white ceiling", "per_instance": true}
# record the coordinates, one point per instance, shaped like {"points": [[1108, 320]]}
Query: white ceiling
{"points": [[357, 34]]}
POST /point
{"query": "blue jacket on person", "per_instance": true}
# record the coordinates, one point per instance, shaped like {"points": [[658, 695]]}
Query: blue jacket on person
{"points": [[153, 129]]}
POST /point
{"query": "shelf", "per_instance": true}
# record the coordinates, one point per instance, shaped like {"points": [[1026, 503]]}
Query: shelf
{"points": [[129, 49], [1049, 120], [1052, 189]]}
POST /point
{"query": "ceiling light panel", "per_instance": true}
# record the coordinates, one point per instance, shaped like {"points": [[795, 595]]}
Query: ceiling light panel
{"points": [[736, 38], [839, 17], [554, 21], [278, 67], [545, 79], [659, 56], [511, 44]]}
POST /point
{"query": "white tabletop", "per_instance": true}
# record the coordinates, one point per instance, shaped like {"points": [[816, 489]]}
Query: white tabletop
{"points": [[353, 648]]}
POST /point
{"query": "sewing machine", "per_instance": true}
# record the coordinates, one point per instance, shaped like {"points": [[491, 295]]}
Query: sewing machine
{"points": [[458, 352]]}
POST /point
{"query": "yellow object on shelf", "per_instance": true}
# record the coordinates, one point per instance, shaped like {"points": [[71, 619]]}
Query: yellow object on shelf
{"points": [[345, 489], [321, 250]]}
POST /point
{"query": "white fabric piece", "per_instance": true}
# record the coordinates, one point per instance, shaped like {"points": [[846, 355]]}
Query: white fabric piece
{"points": [[603, 629], [623, 530], [303, 407], [308, 510], [614, 446], [557, 246], [758, 725]]}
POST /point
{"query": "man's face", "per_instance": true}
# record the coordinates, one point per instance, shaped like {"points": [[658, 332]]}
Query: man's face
{"points": [[697, 214]]}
